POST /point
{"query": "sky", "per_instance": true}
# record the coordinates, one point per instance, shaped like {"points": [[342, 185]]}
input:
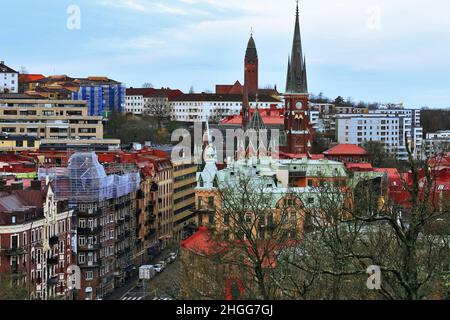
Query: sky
{"points": [[386, 51]]}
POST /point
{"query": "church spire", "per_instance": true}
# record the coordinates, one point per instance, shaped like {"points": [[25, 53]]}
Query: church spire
{"points": [[251, 66], [296, 77]]}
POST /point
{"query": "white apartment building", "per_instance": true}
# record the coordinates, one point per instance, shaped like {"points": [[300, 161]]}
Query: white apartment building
{"points": [[436, 143], [213, 107], [9, 79], [315, 121], [414, 114], [134, 100], [393, 130], [140, 101], [441, 134]]}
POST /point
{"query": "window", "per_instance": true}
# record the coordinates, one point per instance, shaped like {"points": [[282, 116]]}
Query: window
{"points": [[81, 259], [14, 242], [89, 275]]}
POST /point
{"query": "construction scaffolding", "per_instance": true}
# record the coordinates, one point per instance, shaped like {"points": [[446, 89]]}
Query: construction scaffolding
{"points": [[86, 180]]}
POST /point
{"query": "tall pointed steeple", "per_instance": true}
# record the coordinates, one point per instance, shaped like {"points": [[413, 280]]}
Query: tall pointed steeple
{"points": [[251, 66], [251, 54], [296, 77]]}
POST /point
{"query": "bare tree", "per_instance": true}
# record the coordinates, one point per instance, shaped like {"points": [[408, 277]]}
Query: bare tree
{"points": [[408, 241], [254, 226], [147, 85], [158, 109]]}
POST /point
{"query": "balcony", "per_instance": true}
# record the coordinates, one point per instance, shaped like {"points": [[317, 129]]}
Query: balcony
{"points": [[89, 247], [52, 261], [93, 230], [90, 213], [150, 207], [151, 232], [140, 195], [52, 281], [150, 220], [16, 272], [53, 241], [14, 252], [154, 187]]}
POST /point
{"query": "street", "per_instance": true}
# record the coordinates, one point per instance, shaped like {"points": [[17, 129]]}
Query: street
{"points": [[163, 285]]}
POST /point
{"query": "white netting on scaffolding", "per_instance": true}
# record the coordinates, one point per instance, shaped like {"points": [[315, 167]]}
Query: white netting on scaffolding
{"points": [[86, 180]]}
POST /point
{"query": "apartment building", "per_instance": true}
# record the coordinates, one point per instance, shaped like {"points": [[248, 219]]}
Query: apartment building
{"points": [[9, 79], [35, 238], [435, 143], [48, 119], [104, 199], [204, 107], [184, 184], [134, 100], [103, 95], [394, 130], [18, 142], [142, 101]]}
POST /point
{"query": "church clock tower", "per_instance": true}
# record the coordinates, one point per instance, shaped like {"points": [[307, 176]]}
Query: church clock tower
{"points": [[296, 114]]}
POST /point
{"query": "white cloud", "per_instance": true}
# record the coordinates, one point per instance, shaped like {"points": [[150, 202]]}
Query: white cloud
{"points": [[152, 7], [352, 35]]}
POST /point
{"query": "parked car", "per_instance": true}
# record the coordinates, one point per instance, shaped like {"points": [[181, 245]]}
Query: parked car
{"points": [[159, 267], [172, 257]]}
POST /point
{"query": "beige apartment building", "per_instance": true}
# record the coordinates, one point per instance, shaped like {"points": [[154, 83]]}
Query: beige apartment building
{"points": [[184, 184], [49, 119]]}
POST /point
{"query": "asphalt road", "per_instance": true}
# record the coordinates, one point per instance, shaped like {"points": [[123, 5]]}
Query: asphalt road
{"points": [[164, 284]]}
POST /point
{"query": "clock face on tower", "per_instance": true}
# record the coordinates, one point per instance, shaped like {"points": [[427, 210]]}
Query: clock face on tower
{"points": [[299, 105]]}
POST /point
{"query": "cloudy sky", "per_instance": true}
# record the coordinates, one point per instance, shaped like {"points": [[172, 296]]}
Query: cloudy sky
{"points": [[372, 50]]}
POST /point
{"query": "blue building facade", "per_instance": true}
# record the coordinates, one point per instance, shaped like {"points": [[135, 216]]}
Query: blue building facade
{"points": [[102, 98]]}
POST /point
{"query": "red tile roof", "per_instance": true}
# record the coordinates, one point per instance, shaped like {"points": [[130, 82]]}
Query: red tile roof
{"points": [[346, 150], [201, 243], [139, 91], [30, 77], [359, 166]]}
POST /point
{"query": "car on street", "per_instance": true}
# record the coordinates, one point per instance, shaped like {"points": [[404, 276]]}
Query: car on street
{"points": [[172, 257], [159, 267]]}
